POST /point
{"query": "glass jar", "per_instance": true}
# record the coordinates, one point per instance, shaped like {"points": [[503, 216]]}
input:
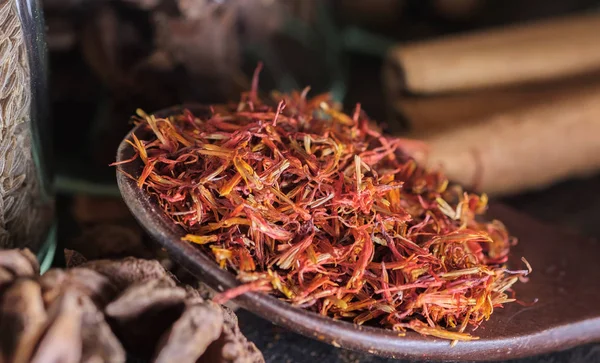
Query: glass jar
{"points": [[26, 197]]}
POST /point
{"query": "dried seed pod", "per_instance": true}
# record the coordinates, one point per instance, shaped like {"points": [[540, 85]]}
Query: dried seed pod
{"points": [[191, 334], [129, 270], [23, 315], [87, 322], [62, 341], [99, 343], [20, 262], [142, 314], [86, 281]]}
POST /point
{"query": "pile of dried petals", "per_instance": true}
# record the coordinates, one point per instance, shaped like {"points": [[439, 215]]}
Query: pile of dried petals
{"points": [[328, 214]]}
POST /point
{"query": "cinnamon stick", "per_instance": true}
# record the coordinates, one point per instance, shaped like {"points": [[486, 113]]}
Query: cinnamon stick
{"points": [[533, 52], [426, 116], [523, 149]]}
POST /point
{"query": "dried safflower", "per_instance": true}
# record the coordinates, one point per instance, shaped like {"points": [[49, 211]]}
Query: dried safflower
{"points": [[325, 212]]}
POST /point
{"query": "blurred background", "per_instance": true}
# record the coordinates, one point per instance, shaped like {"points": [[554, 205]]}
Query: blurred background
{"points": [[506, 107], [109, 57]]}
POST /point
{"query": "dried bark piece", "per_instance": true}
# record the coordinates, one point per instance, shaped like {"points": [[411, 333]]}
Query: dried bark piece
{"points": [[130, 270], [192, 333], [20, 262], [23, 315], [61, 342], [99, 343], [232, 346], [86, 281], [142, 314]]}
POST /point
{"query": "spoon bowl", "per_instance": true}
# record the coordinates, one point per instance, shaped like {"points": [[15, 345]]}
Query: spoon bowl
{"points": [[564, 280]]}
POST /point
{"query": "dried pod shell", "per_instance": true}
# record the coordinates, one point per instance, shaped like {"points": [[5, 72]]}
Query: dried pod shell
{"points": [[99, 343], [88, 282], [61, 341], [23, 315], [76, 315], [192, 333], [142, 314], [130, 270], [20, 262]]}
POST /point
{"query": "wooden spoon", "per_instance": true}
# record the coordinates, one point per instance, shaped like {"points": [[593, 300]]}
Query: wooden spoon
{"points": [[565, 281]]}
